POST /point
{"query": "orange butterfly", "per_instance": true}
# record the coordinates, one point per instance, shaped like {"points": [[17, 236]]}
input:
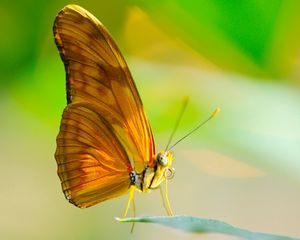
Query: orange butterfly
{"points": [[105, 146]]}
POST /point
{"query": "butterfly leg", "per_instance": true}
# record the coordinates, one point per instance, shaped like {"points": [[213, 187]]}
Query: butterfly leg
{"points": [[169, 211], [165, 199], [130, 199], [133, 209]]}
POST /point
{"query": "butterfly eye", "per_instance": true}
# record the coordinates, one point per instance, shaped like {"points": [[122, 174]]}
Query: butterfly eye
{"points": [[169, 173], [162, 159]]}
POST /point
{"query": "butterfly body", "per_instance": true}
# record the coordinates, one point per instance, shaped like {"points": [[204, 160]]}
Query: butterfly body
{"points": [[105, 145], [153, 176]]}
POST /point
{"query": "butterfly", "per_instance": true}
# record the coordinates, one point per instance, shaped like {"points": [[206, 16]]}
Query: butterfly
{"points": [[105, 147]]}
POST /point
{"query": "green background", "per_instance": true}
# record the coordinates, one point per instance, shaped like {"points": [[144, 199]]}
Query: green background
{"points": [[242, 167]]}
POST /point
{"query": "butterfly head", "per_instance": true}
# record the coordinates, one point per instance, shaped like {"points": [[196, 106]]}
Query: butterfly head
{"points": [[163, 170], [164, 164]]}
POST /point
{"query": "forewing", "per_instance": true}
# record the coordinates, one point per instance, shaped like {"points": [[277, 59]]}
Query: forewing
{"points": [[97, 73], [92, 163]]}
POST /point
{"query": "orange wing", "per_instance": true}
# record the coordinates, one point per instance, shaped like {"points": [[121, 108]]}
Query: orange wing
{"points": [[92, 163], [104, 130]]}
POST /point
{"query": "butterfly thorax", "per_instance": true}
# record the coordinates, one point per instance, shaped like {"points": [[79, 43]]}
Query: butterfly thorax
{"points": [[153, 176]]}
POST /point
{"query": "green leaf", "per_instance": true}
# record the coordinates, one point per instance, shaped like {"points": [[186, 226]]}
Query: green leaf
{"points": [[201, 225]]}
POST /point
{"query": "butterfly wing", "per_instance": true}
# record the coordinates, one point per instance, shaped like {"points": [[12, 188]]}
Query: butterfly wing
{"points": [[92, 163], [101, 96]]}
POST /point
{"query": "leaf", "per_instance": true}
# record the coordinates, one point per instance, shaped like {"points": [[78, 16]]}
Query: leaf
{"points": [[201, 225]]}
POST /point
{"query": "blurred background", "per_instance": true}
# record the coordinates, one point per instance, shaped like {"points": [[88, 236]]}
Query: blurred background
{"points": [[242, 167]]}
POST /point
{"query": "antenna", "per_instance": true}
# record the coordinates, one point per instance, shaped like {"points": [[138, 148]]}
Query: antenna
{"points": [[185, 101], [214, 113]]}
